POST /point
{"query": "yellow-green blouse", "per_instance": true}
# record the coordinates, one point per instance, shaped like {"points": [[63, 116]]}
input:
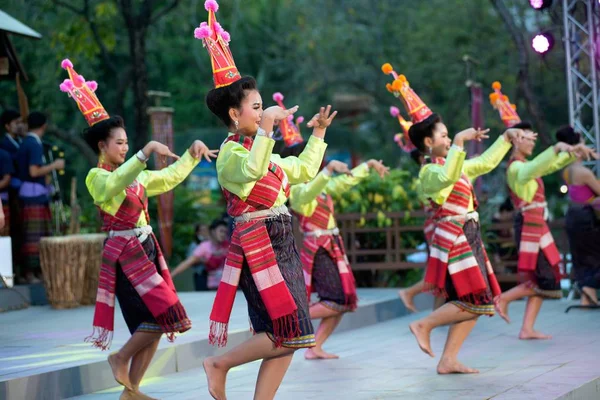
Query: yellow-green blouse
{"points": [[303, 197], [238, 169], [108, 188], [437, 181]]}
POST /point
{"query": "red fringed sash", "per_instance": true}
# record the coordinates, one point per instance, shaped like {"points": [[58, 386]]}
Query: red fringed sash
{"points": [[250, 240], [319, 220], [535, 233], [450, 251], [156, 290]]}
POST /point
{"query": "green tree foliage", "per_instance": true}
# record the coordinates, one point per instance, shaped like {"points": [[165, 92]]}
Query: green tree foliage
{"points": [[310, 51]]}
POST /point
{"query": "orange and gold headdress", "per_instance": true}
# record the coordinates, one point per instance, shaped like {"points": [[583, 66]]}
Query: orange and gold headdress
{"points": [[508, 111], [400, 88]]}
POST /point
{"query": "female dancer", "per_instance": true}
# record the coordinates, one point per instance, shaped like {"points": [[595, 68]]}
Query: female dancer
{"points": [[133, 267], [538, 255], [583, 226], [262, 259], [458, 267], [326, 267]]}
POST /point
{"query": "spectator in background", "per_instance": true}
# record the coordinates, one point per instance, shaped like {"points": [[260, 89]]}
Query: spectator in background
{"points": [[211, 254], [34, 196], [6, 171], [200, 235], [502, 240]]}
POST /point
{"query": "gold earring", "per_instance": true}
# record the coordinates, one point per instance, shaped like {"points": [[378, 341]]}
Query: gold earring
{"points": [[101, 159], [237, 125]]}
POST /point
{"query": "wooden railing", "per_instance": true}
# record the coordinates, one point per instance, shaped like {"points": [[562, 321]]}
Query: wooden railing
{"points": [[386, 248]]}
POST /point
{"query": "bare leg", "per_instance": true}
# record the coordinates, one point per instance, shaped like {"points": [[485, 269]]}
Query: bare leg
{"points": [[593, 295], [457, 334], [445, 315], [502, 301], [119, 361], [257, 347], [534, 303], [408, 294], [325, 330], [438, 302], [319, 311], [271, 373], [139, 365]]}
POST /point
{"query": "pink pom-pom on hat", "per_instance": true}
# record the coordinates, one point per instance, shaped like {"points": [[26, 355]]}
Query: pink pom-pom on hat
{"points": [[226, 37], [93, 85], [82, 93], [66, 63], [66, 86], [211, 5], [300, 120], [218, 28], [202, 32], [394, 111], [277, 96]]}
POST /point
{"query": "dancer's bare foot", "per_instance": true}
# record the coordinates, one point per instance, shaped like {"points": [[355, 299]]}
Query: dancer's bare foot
{"points": [[120, 369], [501, 307], [421, 333], [141, 396], [407, 300], [127, 395], [319, 354], [454, 367], [533, 335], [216, 378]]}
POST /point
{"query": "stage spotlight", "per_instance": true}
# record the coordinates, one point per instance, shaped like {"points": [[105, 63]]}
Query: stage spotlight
{"points": [[540, 4], [543, 42], [564, 189]]}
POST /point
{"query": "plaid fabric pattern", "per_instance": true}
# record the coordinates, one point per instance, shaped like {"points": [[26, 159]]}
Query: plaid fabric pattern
{"points": [[319, 220], [451, 252], [429, 224], [535, 234], [250, 240], [157, 291], [36, 223]]}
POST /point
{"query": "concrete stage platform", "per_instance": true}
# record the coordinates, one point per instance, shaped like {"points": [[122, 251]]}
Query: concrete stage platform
{"points": [[382, 361], [43, 356]]}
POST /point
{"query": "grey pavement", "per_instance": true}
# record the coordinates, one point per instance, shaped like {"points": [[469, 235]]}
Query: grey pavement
{"points": [[382, 361]]}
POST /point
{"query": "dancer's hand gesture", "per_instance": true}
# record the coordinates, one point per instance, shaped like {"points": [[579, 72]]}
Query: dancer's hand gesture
{"points": [[158, 148], [273, 114], [518, 135], [470, 134], [276, 113], [321, 121], [339, 167], [198, 149], [584, 152], [378, 166]]}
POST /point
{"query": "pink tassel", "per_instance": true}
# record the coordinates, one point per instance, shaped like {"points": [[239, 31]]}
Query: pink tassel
{"points": [[66, 86], [202, 32], [203, 24], [80, 79], [299, 120], [290, 118], [66, 63], [93, 85], [277, 96], [218, 28], [211, 5], [226, 37], [394, 111]]}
